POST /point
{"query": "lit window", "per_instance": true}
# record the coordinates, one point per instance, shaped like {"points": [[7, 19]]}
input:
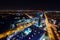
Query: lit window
{"points": [[27, 31]]}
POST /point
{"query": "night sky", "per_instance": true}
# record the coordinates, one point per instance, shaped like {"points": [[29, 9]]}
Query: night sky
{"points": [[20, 4]]}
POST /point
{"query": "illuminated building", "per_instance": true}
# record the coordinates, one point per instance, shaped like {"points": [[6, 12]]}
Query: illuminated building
{"points": [[23, 25], [33, 33]]}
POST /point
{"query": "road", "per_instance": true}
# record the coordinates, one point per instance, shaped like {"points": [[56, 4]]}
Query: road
{"points": [[19, 28], [49, 27]]}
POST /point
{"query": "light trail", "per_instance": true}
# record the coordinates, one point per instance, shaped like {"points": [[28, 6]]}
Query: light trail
{"points": [[55, 30], [49, 30], [48, 27], [28, 15], [19, 28]]}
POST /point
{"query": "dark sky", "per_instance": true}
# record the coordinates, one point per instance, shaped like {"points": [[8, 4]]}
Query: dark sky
{"points": [[20, 4]]}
